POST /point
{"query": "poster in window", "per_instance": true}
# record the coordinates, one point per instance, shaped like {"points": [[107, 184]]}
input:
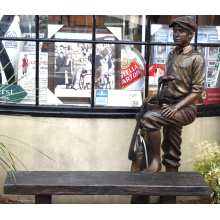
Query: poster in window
{"points": [[155, 71], [209, 96], [72, 69], [27, 76], [209, 73], [212, 53], [211, 63], [73, 65], [161, 51], [105, 67], [215, 80], [132, 69], [29, 46]]}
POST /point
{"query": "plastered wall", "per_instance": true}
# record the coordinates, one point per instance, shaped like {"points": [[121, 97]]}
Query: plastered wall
{"points": [[86, 145]]}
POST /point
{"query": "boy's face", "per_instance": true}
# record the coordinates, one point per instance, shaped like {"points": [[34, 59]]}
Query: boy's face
{"points": [[181, 36]]}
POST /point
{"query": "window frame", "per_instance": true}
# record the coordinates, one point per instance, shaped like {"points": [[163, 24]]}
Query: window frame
{"points": [[71, 111]]}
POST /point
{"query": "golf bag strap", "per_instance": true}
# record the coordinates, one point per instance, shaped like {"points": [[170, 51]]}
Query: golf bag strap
{"points": [[134, 136], [5, 23], [146, 106]]}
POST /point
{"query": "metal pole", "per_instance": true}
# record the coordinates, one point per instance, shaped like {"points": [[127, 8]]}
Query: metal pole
{"points": [[37, 61], [93, 61], [143, 34]]}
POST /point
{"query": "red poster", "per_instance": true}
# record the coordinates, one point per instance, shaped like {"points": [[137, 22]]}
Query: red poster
{"points": [[152, 67], [209, 96]]}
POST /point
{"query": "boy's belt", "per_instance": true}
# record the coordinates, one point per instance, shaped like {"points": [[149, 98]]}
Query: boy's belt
{"points": [[171, 100]]}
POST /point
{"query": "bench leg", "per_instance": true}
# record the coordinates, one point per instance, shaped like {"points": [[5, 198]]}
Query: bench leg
{"points": [[43, 199], [140, 199], [167, 199]]}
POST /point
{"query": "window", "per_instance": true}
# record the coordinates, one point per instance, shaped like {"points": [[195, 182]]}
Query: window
{"points": [[209, 39], [96, 66]]}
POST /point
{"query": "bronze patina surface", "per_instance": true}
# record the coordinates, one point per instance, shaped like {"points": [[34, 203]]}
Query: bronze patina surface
{"points": [[188, 67]]}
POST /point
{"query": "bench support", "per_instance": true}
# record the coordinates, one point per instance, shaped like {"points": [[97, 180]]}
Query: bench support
{"points": [[169, 199], [43, 199]]}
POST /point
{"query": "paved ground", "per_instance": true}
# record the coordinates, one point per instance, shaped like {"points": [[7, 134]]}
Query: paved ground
{"points": [[198, 201], [9, 201]]}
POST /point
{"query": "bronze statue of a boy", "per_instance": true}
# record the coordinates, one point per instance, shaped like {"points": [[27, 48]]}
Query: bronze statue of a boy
{"points": [[188, 67]]}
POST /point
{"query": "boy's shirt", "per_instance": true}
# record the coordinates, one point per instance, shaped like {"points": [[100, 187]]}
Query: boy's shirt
{"points": [[188, 66]]}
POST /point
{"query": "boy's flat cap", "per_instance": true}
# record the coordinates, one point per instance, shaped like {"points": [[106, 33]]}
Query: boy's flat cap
{"points": [[185, 22]]}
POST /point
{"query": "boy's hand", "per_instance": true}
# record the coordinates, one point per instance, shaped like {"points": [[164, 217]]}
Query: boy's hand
{"points": [[169, 111]]}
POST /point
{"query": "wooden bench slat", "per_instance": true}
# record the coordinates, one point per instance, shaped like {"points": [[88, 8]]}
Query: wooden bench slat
{"points": [[105, 183]]}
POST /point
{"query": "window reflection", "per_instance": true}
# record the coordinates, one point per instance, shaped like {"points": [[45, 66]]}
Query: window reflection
{"points": [[160, 31], [208, 29], [125, 27], [66, 26], [20, 25]]}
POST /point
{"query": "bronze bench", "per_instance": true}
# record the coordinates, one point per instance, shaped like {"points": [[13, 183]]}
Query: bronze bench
{"points": [[44, 184]]}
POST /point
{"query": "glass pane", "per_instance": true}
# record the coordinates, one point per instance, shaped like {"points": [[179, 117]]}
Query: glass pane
{"points": [[209, 29], [160, 30], [18, 26], [17, 67], [119, 75], [211, 92], [66, 26], [158, 58], [65, 73], [121, 27]]}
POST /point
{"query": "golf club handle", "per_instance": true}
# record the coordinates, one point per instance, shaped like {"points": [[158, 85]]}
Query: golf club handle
{"points": [[158, 92], [162, 88]]}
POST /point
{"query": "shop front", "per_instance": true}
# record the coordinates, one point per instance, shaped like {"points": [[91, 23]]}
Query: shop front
{"points": [[84, 78]]}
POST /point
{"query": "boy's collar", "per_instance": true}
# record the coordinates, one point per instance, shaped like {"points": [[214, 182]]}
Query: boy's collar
{"points": [[185, 50]]}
